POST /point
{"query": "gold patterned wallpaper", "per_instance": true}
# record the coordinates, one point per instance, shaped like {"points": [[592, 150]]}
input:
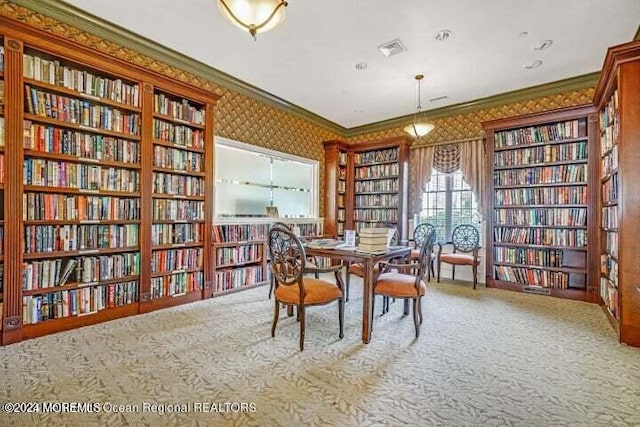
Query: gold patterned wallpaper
{"points": [[246, 119]]}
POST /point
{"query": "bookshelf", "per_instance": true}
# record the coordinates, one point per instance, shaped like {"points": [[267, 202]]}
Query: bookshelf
{"points": [[335, 202], [178, 200], [2, 178], [376, 179], [617, 96], [107, 171], [542, 208], [241, 250]]}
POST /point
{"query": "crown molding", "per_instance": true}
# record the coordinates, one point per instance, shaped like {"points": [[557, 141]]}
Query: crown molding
{"points": [[97, 26], [546, 89]]}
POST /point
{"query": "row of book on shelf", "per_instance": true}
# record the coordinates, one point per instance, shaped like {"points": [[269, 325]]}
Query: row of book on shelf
{"points": [[542, 154], [55, 238], [77, 302], [377, 156], [55, 173], [71, 207], [542, 196], [176, 284], [532, 277], [377, 171], [541, 236], [537, 134], [388, 185], [527, 256], [541, 216], [542, 175]]}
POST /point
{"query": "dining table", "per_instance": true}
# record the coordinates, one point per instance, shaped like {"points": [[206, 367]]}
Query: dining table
{"points": [[368, 261]]}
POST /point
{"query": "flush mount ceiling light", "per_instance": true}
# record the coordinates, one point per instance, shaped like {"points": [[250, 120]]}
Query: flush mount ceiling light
{"points": [[442, 35], [255, 16], [418, 128], [544, 44], [532, 65]]}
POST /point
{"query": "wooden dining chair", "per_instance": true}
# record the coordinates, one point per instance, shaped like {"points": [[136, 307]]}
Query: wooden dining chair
{"points": [[420, 233], [399, 283], [465, 240], [292, 288], [311, 266]]}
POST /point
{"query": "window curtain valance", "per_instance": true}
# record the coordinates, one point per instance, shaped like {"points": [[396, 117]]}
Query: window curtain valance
{"points": [[467, 156]]}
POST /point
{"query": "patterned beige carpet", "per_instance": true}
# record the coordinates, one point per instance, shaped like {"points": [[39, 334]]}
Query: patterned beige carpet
{"points": [[484, 358]]}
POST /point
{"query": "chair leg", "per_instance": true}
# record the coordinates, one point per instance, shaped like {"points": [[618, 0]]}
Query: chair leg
{"points": [[433, 273], [276, 313], [415, 317], [302, 316], [373, 309], [271, 285], [453, 272], [475, 275], [420, 308], [347, 282], [341, 316], [316, 274], [439, 265]]}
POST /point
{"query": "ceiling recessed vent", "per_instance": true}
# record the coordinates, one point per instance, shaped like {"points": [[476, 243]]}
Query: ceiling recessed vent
{"points": [[391, 48], [438, 98]]}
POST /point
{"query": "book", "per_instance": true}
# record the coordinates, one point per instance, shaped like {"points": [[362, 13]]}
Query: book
{"points": [[66, 272], [324, 243]]}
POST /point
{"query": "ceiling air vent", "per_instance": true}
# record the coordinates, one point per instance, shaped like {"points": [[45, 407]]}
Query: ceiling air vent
{"points": [[391, 48], [438, 98]]}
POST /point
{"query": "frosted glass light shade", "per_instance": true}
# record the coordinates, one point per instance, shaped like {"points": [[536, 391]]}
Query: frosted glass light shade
{"points": [[418, 130], [256, 16]]}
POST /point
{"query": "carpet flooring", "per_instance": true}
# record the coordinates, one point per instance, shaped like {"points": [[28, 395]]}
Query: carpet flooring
{"points": [[484, 358]]}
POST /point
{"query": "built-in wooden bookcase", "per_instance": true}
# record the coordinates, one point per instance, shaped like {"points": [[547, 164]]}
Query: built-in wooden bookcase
{"points": [[376, 179], [618, 100], [241, 251], [2, 178], [542, 210], [107, 172], [335, 202]]}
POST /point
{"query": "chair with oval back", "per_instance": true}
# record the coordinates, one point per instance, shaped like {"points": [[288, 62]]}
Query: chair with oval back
{"points": [[396, 282], [311, 266], [292, 288], [421, 232], [465, 240]]}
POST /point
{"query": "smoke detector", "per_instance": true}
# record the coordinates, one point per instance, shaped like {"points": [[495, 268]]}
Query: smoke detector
{"points": [[442, 35], [393, 47]]}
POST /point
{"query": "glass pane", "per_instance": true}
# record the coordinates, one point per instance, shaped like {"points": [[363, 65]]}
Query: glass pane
{"points": [[241, 165], [288, 173], [292, 203], [237, 199]]}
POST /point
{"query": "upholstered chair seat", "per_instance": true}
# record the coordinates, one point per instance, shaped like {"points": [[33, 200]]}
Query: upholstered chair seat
{"points": [[316, 292]]}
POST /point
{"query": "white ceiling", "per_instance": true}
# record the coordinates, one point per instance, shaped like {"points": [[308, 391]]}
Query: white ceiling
{"points": [[310, 59]]}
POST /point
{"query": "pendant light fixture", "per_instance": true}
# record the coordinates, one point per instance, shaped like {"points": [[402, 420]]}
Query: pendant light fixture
{"points": [[418, 129], [255, 16]]}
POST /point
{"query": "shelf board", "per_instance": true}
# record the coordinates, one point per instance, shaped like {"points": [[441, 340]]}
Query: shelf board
{"points": [[72, 322], [178, 221], [172, 272], [79, 191], [178, 171], [375, 220], [375, 192], [176, 120], [80, 222], [385, 162], [241, 288], [178, 146], [608, 176], [377, 178], [541, 206], [609, 230], [538, 144], [376, 207], [577, 227], [176, 196], [78, 159], [177, 246], [549, 184], [610, 203], [60, 123], [79, 285], [239, 243], [60, 89], [540, 165], [539, 267], [527, 245], [238, 264], [171, 301], [82, 252]]}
